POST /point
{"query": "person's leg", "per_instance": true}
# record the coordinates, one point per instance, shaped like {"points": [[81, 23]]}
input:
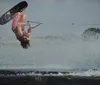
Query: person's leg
{"points": [[16, 25], [23, 19], [16, 19]]}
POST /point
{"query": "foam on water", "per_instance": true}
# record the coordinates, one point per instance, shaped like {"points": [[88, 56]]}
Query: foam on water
{"points": [[40, 72]]}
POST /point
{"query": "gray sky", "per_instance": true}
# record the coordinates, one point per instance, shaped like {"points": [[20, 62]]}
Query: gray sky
{"points": [[56, 43]]}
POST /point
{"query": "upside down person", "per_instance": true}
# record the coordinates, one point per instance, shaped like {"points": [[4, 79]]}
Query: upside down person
{"points": [[18, 23]]}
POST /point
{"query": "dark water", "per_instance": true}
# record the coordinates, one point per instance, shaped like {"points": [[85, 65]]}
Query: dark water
{"points": [[34, 77], [30, 80]]}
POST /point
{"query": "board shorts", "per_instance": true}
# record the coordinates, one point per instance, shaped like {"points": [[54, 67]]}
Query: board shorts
{"points": [[20, 38]]}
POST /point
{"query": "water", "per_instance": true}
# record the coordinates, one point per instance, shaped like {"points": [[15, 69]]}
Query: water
{"points": [[41, 77]]}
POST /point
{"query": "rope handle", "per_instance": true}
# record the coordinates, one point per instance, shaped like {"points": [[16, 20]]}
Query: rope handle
{"points": [[34, 22], [38, 23]]}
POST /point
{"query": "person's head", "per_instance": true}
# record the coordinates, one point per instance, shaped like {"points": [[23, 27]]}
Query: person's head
{"points": [[25, 44]]}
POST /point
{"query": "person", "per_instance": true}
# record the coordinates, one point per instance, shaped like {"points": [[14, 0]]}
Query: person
{"points": [[18, 27]]}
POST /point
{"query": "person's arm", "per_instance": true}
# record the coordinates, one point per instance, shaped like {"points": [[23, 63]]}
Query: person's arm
{"points": [[27, 37], [30, 27]]}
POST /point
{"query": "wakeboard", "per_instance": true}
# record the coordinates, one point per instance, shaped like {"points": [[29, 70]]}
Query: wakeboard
{"points": [[6, 17]]}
